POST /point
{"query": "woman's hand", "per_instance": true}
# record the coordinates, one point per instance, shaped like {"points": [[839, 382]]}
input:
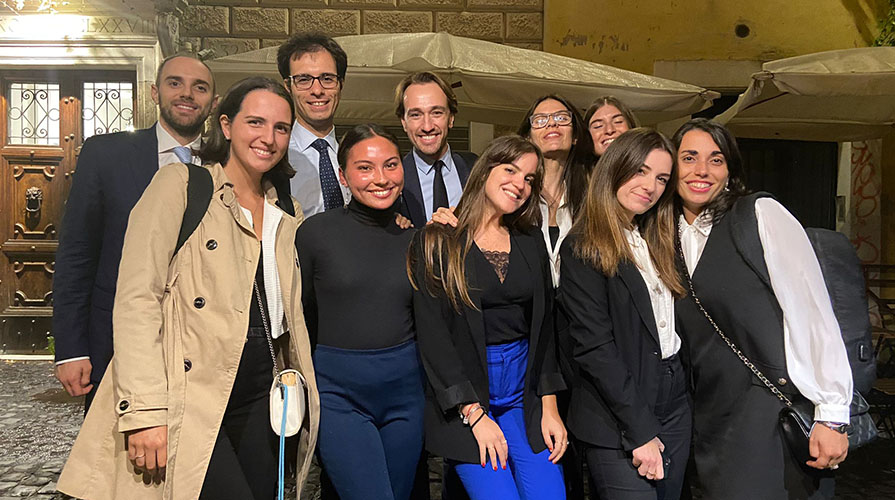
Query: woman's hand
{"points": [[491, 441], [827, 446], [147, 449], [555, 435], [444, 216], [648, 459]]}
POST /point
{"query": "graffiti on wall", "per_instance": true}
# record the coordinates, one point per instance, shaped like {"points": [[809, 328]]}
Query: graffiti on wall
{"points": [[865, 200]]}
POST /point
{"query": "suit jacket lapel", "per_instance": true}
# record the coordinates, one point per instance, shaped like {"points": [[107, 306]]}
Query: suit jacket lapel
{"points": [[474, 315], [144, 159], [530, 255], [640, 295], [462, 167], [412, 193]]}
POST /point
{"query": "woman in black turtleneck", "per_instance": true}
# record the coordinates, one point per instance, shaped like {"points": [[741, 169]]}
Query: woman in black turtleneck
{"points": [[358, 307]]}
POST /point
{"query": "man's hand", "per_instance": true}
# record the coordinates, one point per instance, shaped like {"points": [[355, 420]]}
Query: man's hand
{"points": [[75, 376]]}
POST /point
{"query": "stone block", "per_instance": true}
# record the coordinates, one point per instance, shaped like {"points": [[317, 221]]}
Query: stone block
{"points": [[527, 45], [260, 21], [364, 3], [527, 26], [297, 3], [388, 21], [226, 46], [272, 42], [203, 20], [195, 43], [521, 4], [481, 25], [224, 2], [329, 21], [430, 3]]}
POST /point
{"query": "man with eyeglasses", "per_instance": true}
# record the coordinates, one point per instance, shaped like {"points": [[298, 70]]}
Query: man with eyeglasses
{"points": [[313, 68]]}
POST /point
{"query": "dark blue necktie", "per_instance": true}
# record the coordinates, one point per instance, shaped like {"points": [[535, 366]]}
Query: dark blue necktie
{"points": [[332, 193]]}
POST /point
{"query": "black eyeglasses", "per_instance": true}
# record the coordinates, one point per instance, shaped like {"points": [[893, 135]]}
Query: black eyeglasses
{"points": [[304, 82], [541, 120]]}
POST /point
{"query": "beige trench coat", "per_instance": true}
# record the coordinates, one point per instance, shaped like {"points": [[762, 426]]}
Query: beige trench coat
{"points": [[180, 328]]}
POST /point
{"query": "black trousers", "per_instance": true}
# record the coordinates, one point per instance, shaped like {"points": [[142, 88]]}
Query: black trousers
{"points": [[613, 476], [243, 464]]}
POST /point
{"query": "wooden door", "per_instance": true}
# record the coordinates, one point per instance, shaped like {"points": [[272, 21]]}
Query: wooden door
{"points": [[44, 118]]}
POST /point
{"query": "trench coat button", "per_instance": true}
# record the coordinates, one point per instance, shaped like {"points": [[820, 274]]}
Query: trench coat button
{"points": [[124, 405], [199, 303], [655, 353], [211, 244], [781, 381], [187, 365]]}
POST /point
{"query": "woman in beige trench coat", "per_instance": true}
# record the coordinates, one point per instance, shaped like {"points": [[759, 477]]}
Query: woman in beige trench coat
{"points": [[180, 321]]}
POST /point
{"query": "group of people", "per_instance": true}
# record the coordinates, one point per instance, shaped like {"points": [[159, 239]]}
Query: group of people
{"points": [[516, 313]]}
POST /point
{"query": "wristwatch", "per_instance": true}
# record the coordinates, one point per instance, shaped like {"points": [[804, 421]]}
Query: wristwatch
{"points": [[840, 428]]}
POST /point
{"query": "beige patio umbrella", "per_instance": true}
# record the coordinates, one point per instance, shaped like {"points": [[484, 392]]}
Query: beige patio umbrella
{"points": [[494, 83], [840, 95]]}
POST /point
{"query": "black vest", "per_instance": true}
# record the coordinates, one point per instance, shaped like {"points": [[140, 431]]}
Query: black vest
{"points": [[746, 310]]}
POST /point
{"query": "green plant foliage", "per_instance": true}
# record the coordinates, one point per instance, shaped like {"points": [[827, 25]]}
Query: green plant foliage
{"points": [[887, 28], [51, 345]]}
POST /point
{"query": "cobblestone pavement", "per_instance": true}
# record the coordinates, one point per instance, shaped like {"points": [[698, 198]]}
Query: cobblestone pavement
{"points": [[39, 422]]}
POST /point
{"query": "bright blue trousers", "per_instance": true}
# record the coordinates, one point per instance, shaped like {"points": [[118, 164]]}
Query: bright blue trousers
{"points": [[529, 475]]}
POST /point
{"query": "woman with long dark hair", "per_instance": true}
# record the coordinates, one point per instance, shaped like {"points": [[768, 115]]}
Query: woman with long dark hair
{"points": [[483, 306], [755, 274], [555, 126], [200, 331], [618, 283], [358, 304]]}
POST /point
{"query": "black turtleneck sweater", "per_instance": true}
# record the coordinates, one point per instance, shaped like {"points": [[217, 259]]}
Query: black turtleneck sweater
{"points": [[355, 290]]}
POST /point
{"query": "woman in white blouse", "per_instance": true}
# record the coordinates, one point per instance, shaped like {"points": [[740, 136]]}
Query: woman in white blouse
{"points": [[629, 403], [777, 312]]}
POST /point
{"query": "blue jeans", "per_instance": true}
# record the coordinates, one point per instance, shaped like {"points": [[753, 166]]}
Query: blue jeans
{"points": [[529, 475]]}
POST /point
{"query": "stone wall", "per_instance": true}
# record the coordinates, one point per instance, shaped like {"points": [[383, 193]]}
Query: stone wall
{"points": [[232, 26]]}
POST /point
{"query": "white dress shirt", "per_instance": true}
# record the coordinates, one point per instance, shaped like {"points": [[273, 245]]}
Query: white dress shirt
{"points": [[166, 145], [272, 218], [564, 221], [166, 156], [660, 297], [815, 353], [450, 175], [305, 185]]}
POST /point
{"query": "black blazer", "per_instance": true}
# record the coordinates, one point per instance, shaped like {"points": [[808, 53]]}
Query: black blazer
{"points": [[452, 348], [412, 205], [613, 344], [112, 173]]}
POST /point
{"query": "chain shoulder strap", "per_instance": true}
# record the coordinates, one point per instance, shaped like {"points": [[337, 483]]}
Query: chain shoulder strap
{"points": [[770, 385], [273, 354]]}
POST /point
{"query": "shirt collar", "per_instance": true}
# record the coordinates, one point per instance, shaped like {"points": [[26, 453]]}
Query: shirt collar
{"points": [[304, 137], [702, 224], [634, 238], [425, 168], [167, 143]]}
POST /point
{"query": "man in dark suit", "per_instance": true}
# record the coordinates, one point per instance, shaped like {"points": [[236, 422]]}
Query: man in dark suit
{"points": [[433, 176], [112, 172]]}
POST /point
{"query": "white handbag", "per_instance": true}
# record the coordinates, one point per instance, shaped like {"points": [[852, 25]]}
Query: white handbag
{"points": [[287, 403]]}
